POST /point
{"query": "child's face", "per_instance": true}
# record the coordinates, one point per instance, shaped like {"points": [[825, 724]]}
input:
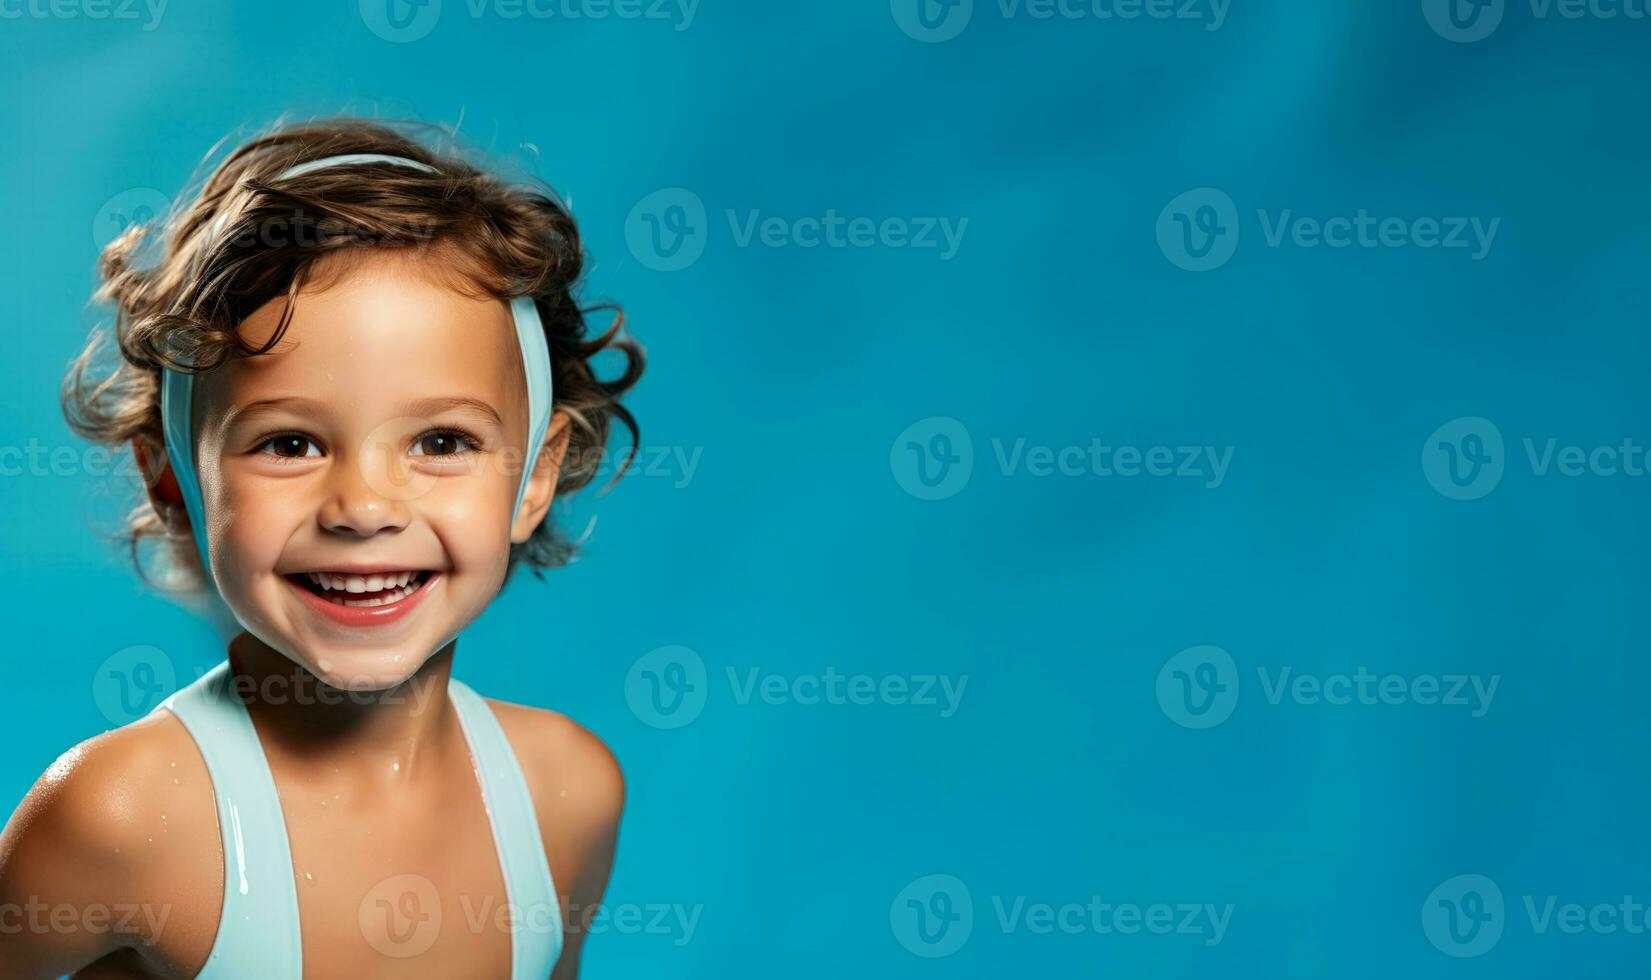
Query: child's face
{"points": [[382, 435]]}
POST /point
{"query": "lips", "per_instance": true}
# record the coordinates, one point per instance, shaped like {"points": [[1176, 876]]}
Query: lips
{"points": [[363, 597]]}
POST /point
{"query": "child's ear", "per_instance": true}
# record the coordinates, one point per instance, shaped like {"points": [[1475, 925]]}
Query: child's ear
{"points": [[541, 487], [158, 478]]}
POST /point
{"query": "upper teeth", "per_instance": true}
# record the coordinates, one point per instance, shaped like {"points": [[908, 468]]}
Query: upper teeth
{"points": [[361, 583]]}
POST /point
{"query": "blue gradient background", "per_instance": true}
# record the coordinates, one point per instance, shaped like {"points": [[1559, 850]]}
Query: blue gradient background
{"points": [[795, 548]]}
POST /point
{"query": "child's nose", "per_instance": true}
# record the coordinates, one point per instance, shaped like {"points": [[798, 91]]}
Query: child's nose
{"points": [[364, 502]]}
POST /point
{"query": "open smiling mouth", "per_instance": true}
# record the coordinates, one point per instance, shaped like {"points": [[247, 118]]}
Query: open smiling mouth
{"points": [[363, 600], [361, 590]]}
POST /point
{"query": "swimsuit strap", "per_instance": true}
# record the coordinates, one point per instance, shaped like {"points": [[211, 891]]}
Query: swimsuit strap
{"points": [[536, 934], [258, 934], [258, 930]]}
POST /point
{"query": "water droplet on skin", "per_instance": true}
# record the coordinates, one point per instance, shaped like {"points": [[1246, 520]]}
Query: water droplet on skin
{"points": [[308, 876], [396, 766]]}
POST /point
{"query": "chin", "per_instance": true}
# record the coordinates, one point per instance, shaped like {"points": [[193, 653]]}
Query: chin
{"points": [[364, 669]]}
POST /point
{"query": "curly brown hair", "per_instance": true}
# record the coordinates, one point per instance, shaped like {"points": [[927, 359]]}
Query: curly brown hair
{"points": [[245, 239]]}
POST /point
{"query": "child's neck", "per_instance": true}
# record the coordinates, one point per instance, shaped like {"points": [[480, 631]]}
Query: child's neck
{"points": [[386, 737]]}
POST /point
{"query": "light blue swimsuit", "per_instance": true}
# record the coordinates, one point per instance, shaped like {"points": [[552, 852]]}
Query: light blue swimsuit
{"points": [[258, 930]]}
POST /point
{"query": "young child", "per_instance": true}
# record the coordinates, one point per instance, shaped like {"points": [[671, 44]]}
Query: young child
{"points": [[356, 378]]}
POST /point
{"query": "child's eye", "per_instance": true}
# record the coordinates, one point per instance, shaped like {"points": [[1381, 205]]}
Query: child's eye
{"points": [[290, 445], [444, 442]]}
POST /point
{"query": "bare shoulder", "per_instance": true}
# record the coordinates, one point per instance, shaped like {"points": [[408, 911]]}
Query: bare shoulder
{"points": [[578, 796], [94, 811], [570, 771], [122, 820]]}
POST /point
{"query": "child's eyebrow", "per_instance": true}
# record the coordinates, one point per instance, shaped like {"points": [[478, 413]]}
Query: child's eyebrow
{"points": [[433, 405], [417, 407], [292, 403]]}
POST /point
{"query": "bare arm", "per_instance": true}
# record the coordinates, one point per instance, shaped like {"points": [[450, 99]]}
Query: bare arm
{"points": [[579, 797], [64, 870], [113, 853], [588, 836]]}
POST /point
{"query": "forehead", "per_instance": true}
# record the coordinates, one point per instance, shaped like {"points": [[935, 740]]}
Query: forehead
{"points": [[385, 329]]}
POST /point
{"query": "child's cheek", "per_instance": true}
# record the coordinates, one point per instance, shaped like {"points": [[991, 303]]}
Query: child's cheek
{"points": [[252, 530], [473, 523]]}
